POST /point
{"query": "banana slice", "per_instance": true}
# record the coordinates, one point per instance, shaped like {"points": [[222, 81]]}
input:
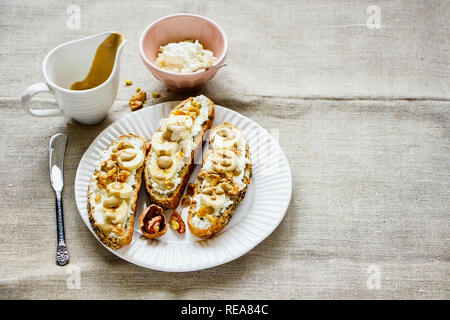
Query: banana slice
{"points": [[217, 203], [112, 202], [177, 127], [121, 190], [128, 162], [163, 147], [127, 154], [160, 175], [105, 226], [225, 138], [224, 160], [180, 120], [175, 133], [117, 215]]}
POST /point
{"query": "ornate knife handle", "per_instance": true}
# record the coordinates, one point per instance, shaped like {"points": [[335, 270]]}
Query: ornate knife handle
{"points": [[62, 256]]}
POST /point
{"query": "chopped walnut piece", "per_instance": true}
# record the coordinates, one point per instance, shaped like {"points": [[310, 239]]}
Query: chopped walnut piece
{"points": [[153, 225], [226, 186], [122, 176], [193, 109], [137, 100], [101, 180], [186, 200], [179, 112], [107, 165], [118, 229], [190, 189], [169, 185], [122, 145], [177, 223], [192, 114], [215, 181], [229, 174], [111, 174], [203, 174], [211, 218], [205, 211]]}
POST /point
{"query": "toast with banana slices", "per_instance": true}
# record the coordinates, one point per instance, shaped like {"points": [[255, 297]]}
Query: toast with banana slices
{"points": [[114, 188], [170, 161], [222, 182]]}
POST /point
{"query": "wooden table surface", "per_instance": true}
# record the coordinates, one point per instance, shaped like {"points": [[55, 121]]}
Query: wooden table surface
{"points": [[361, 113]]}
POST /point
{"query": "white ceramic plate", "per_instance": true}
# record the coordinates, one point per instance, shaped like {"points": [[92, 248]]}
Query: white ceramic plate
{"points": [[261, 211]]}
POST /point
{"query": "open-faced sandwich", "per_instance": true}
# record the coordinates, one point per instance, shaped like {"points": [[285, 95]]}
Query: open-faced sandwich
{"points": [[222, 182], [114, 189], [170, 160]]}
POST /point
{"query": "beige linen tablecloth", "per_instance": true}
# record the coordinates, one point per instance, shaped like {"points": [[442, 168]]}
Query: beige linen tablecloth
{"points": [[361, 106]]}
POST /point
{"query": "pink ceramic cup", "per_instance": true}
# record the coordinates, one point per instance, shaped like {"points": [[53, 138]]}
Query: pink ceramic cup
{"points": [[180, 27]]}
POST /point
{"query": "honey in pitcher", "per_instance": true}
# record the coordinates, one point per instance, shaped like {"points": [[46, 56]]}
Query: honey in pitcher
{"points": [[102, 65]]}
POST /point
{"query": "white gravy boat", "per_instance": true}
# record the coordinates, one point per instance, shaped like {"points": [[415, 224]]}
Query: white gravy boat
{"points": [[66, 64]]}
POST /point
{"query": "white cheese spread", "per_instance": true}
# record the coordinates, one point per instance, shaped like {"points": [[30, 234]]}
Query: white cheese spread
{"points": [[184, 57]]}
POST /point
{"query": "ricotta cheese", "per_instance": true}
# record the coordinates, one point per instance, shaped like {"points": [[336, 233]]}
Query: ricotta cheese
{"points": [[184, 57]]}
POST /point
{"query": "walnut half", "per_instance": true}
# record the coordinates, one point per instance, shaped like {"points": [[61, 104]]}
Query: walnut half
{"points": [[177, 223], [137, 101], [153, 222]]}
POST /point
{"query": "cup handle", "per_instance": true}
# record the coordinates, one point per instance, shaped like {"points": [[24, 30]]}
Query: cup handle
{"points": [[30, 92]]}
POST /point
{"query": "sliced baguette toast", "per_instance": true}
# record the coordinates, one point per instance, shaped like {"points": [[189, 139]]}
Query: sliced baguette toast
{"points": [[222, 182], [165, 185], [114, 189]]}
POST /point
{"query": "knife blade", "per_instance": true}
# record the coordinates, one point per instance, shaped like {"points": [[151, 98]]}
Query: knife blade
{"points": [[56, 166]]}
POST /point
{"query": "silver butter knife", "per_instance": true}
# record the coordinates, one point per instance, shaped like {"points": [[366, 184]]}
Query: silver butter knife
{"points": [[57, 149]]}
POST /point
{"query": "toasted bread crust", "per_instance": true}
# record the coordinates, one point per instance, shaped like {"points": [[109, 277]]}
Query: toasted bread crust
{"points": [[110, 241], [171, 201], [228, 214]]}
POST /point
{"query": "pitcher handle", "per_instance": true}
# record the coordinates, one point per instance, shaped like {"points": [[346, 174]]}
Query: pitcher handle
{"points": [[30, 92]]}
